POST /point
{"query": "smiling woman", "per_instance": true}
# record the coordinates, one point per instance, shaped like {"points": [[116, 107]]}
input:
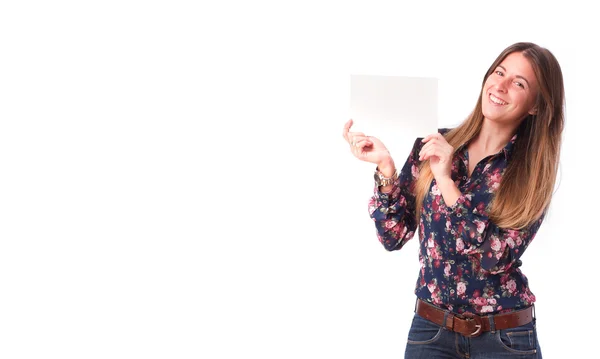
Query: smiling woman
{"points": [[477, 194], [508, 93]]}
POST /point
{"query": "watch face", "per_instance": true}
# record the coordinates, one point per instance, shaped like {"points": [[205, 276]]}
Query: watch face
{"points": [[377, 177], [382, 181]]}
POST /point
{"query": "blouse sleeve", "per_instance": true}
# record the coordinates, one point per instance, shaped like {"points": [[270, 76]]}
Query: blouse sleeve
{"points": [[498, 249], [394, 212]]}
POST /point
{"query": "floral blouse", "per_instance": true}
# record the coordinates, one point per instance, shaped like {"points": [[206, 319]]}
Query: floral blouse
{"points": [[467, 262]]}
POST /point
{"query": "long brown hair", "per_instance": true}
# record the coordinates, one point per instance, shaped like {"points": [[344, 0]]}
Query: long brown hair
{"points": [[528, 182]]}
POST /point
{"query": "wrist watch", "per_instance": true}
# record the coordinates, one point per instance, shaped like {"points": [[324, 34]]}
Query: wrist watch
{"points": [[382, 181]]}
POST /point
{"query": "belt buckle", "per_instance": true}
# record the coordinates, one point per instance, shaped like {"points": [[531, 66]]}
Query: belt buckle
{"points": [[478, 324]]}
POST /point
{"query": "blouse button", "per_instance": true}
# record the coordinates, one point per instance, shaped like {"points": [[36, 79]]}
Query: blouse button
{"points": [[464, 178]]}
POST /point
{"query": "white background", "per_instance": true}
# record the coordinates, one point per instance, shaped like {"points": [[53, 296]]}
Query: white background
{"points": [[174, 183]]}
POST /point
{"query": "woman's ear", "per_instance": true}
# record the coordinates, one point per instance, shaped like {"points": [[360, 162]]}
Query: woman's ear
{"points": [[533, 111]]}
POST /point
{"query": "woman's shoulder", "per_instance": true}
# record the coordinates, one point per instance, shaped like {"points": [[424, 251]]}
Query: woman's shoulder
{"points": [[444, 130]]}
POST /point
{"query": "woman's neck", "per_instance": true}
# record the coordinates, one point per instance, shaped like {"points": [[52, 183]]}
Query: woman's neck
{"points": [[492, 138]]}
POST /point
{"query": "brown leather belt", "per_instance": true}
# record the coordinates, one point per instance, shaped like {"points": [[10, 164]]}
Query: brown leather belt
{"points": [[472, 325]]}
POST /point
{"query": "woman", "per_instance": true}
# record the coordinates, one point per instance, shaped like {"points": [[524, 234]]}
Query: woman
{"points": [[478, 194]]}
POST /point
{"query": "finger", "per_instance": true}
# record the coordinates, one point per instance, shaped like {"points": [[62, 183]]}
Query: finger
{"points": [[431, 152], [355, 138], [362, 150], [441, 155], [363, 143], [427, 138], [440, 138], [427, 146], [426, 155], [430, 142], [347, 128]]}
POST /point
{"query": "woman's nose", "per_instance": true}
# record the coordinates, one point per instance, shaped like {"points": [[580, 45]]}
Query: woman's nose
{"points": [[502, 84]]}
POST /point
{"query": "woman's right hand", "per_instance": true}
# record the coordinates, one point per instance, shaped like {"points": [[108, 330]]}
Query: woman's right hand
{"points": [[367, 148]]}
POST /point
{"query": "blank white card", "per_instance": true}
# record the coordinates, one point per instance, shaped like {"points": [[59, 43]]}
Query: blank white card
{"points": [[395, 109]]}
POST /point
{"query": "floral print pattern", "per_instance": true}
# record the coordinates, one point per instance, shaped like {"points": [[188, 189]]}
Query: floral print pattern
{"points": [[467, 263]]}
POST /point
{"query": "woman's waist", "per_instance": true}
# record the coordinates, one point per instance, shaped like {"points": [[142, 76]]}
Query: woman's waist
{"points": [[463, 293]]}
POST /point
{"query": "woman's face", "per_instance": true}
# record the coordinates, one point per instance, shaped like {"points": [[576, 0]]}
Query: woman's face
{"points": [[509, 93]]}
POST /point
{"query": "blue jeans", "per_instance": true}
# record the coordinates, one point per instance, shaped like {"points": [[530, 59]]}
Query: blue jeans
{"points": [[428, 340]]}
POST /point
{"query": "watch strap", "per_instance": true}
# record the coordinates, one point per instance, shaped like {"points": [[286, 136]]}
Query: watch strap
{"points": [[383, 181]]}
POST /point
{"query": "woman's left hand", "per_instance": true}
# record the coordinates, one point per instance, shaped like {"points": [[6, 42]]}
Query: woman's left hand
{"points": [[439, 153]]}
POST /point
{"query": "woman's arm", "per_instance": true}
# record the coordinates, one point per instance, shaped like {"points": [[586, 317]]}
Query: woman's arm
{"points": [[498, 249], [392, 208]]}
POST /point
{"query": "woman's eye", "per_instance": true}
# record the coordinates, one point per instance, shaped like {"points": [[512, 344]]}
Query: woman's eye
{"points": [[499, 73], [519, 84]]}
